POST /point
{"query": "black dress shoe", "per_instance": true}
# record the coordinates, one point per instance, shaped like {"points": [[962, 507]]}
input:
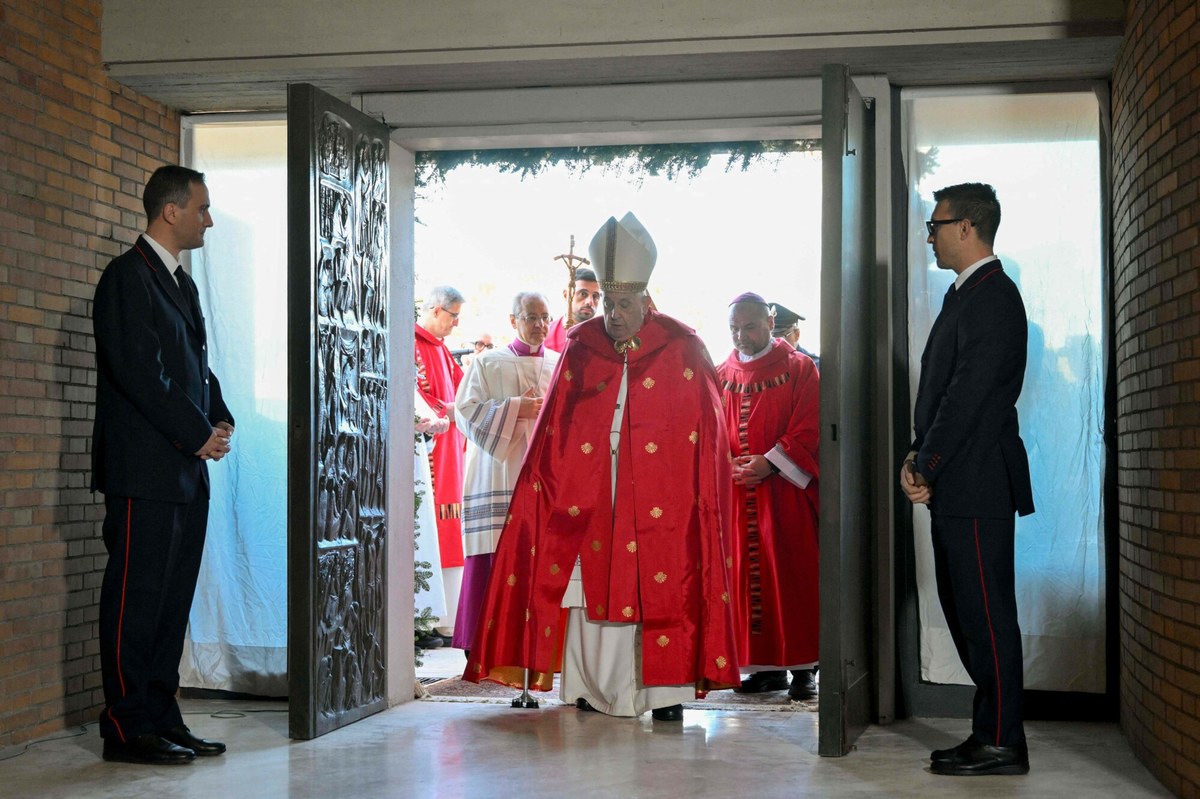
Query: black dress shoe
{"points": [[973, 759], [182, 736], [938, 755], [428, 640], [670, 713], [583, 704], [762, 681], [804, 684], [148, 748]]}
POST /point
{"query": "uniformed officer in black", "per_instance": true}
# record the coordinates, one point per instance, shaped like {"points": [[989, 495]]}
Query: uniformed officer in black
{"points": [[160, 419], [969, 465]]}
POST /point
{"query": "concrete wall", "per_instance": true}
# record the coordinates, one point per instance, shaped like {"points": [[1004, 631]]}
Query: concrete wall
{"points": [[422, 31]]}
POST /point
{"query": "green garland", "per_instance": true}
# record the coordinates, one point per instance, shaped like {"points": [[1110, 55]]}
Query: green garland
{"points": [[636, 160]]}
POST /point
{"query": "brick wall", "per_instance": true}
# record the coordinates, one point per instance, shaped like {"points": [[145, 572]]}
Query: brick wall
{"points": [[1156, 231], [75, 150]]}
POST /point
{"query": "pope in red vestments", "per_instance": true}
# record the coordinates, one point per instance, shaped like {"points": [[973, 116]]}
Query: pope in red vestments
{"points": [[653, 549], [771, 400]]}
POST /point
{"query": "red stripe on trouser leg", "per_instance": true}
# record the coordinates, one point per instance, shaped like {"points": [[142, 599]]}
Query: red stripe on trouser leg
{"points": [[121, 616], [991, 632]]}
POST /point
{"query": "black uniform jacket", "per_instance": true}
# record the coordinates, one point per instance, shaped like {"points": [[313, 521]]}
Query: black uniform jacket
{"points": [[968, 441], [156, 398]]}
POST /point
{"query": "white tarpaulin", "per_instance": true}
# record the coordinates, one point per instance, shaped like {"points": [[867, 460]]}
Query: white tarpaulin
{"points": [[1041, 152], [237, 638]]}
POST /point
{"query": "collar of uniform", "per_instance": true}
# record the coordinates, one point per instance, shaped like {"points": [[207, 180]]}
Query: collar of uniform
{"points": [[965, 274], [169, 261]]}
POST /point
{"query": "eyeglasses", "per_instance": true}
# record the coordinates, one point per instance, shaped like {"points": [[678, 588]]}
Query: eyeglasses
{"points": [[482, 344], [932, 224], [544, 318], [447, 310]]}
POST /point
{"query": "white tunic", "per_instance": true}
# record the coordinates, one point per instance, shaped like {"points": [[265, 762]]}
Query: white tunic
{"points": [[485, 408], [425, 522], [602, 661]]}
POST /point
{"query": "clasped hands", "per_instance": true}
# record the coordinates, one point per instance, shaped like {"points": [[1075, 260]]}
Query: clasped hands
{"points": [[531, 404], [914, 486], [434, 427], [750, 470], [217, 446]]}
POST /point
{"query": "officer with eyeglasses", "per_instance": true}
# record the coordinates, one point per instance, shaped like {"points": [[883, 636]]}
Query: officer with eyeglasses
{"points": [[969, 466]]}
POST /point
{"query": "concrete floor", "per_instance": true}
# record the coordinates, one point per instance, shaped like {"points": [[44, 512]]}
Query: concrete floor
{"points": [[437, 748]]}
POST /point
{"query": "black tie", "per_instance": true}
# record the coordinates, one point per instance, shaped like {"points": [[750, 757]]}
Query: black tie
{"points": [[185, 288]]}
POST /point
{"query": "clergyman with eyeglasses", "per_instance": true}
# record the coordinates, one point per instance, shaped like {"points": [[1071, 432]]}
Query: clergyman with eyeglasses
{"points": [[496, 406], [438, 376]]}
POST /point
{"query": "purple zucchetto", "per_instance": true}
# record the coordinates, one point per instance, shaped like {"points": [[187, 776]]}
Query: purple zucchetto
{"points": [[749, 296]]}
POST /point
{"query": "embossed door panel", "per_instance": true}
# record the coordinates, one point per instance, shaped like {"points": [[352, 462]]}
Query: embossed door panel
{"points": [[337, 296], [847, 257]]}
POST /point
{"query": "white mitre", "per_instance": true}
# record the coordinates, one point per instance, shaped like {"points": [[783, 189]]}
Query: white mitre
{"points": [[623, 255]]}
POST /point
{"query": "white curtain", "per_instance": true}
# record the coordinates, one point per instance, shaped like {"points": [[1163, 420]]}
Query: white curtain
{"points": [[237, 638], [1041, 152]]}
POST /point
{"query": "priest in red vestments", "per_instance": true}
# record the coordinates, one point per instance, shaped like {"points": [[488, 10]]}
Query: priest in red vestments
{"points": [[619, 521], [583, 307], [438, 376], [771, 399]]}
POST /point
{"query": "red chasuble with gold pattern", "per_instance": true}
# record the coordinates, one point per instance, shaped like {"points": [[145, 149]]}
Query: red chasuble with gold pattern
{"points": [[657, 555], [771, 401], [438, 376]]}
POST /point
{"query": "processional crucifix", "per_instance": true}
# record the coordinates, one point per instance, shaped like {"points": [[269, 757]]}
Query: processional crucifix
{"points": [[573, 262]]}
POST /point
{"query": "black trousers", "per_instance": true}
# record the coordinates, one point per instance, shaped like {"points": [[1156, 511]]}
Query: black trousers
{"points": [[154, 551], [973, 561]]}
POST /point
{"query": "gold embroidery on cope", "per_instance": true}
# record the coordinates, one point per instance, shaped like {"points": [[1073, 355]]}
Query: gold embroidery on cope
{"points": [[587, 448], [601, 386], [725, 597], [721, 662], [573, 510], [554, 568], [648, 382], [694, 437], [537, 486], [512, 580], [663, 640], [548, 631], [595, 545], [532, 551], [631, 546], [729, 562], [652, 448], [491, 624], [660, 578], [567, 375], [627, 612], [656, 512], [599, 610]]}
